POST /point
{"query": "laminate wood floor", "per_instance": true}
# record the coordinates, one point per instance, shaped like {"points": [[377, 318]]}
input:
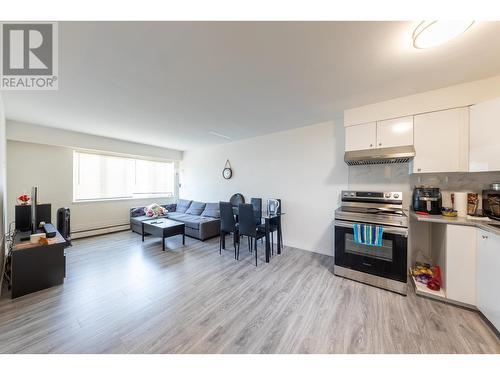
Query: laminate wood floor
{"points": [[123, 296]]}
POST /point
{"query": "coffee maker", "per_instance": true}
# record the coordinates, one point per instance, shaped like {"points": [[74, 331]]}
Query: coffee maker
{"points": [[427, 199]]}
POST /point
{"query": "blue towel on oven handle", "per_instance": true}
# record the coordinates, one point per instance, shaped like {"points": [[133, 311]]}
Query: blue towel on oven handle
{"points": [[366, 234]]}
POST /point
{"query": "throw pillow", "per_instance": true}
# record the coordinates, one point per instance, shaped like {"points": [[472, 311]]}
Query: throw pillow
{"points": [[170, 207], [211, 210], [182, 206], [196, 208], [137, 211], [155, 210]]}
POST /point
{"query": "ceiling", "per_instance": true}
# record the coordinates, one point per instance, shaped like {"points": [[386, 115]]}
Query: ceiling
{"points": [[172, 83]]}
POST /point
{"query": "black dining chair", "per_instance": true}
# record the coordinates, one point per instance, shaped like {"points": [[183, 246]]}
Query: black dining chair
{"points": [[237, 199], [273, 227], [227, 225], [248, 227], [257, 208]]}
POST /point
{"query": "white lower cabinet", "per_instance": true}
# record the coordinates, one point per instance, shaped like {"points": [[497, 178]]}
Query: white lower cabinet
{"points": [[488, 282], [460, 268]]}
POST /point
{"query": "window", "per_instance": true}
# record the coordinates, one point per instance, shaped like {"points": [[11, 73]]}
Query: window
{"points": [[101, 177]]}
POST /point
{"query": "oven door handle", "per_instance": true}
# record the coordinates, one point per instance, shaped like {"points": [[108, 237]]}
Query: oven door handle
{"points": [[391, 230]]}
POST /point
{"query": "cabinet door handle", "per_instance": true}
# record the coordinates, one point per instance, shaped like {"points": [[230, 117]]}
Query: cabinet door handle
{"points": [[380, 144], [484, 237], [371, 144], [419, 169]]}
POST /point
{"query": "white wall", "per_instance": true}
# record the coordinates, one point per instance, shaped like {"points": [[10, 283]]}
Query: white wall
{"points": [[51, 169], [304, 167], [19, 131], [449, 97]]}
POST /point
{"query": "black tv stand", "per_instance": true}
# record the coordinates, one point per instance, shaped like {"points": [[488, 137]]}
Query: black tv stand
{"points": [[35, 267]]}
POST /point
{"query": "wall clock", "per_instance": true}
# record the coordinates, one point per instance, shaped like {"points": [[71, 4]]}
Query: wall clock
{"points": [[227, 172]]}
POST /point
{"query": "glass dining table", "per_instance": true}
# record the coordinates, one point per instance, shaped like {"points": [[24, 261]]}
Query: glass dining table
{"points": [[269, 219]]}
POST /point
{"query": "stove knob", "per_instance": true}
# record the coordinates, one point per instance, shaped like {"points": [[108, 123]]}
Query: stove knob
{"points": [[387, 195], [352, 194], [346, 194], [396, 196]]}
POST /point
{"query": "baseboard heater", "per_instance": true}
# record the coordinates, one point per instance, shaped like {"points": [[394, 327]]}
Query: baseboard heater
{"points": [[100, 230]]}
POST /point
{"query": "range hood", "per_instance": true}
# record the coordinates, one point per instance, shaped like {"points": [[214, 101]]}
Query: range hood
{"points": [[388, 155]]}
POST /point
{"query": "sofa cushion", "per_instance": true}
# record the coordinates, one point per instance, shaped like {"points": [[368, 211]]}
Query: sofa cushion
{"points": [[174, 215], [191, 221], [196, 208], [182, 205], [211, 210], [139, 219]]}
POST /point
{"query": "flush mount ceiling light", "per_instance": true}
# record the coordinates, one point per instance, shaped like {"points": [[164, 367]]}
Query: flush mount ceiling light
{"points": [[432, 33]]}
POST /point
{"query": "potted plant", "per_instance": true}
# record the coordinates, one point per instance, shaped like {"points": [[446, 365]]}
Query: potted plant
{"points": [[23, 200]]}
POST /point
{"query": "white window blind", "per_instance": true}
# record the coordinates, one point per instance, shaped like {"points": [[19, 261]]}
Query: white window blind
{"points": [[101, 177]]}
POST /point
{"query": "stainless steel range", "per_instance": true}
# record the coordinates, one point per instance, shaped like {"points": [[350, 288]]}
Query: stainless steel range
{"points": [[384, 264]]}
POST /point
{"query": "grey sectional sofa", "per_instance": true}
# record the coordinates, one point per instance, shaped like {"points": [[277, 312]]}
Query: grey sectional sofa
{"points": [[202, 220]]}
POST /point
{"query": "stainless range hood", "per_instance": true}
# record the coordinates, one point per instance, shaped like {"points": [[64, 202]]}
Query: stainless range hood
{"points": [[388, 155]]}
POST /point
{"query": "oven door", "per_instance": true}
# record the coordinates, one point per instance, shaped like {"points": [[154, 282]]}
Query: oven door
{"points": [[388, 261]]}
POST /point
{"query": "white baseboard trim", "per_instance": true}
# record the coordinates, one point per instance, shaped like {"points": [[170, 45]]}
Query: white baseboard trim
{"points": [[99, 231]]}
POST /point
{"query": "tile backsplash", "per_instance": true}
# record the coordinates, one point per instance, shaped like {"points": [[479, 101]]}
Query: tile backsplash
{"points": [[474, 182], [381, 177], [396, 177]]}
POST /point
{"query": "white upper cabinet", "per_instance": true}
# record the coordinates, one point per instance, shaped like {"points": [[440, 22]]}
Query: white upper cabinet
{"points": [[487, 282], [361, 137], [380, 134], [441, 141], [395, 132], [484, 130]]}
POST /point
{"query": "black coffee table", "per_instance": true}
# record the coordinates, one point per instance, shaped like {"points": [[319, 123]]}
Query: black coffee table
{"points": [[163, 228]]}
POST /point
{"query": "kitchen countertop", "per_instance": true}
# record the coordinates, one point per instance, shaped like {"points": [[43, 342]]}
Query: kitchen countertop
{"points": [[481, 224]]}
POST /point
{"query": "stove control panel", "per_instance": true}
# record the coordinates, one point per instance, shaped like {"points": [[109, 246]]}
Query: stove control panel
{"points": [[371, 195]]}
